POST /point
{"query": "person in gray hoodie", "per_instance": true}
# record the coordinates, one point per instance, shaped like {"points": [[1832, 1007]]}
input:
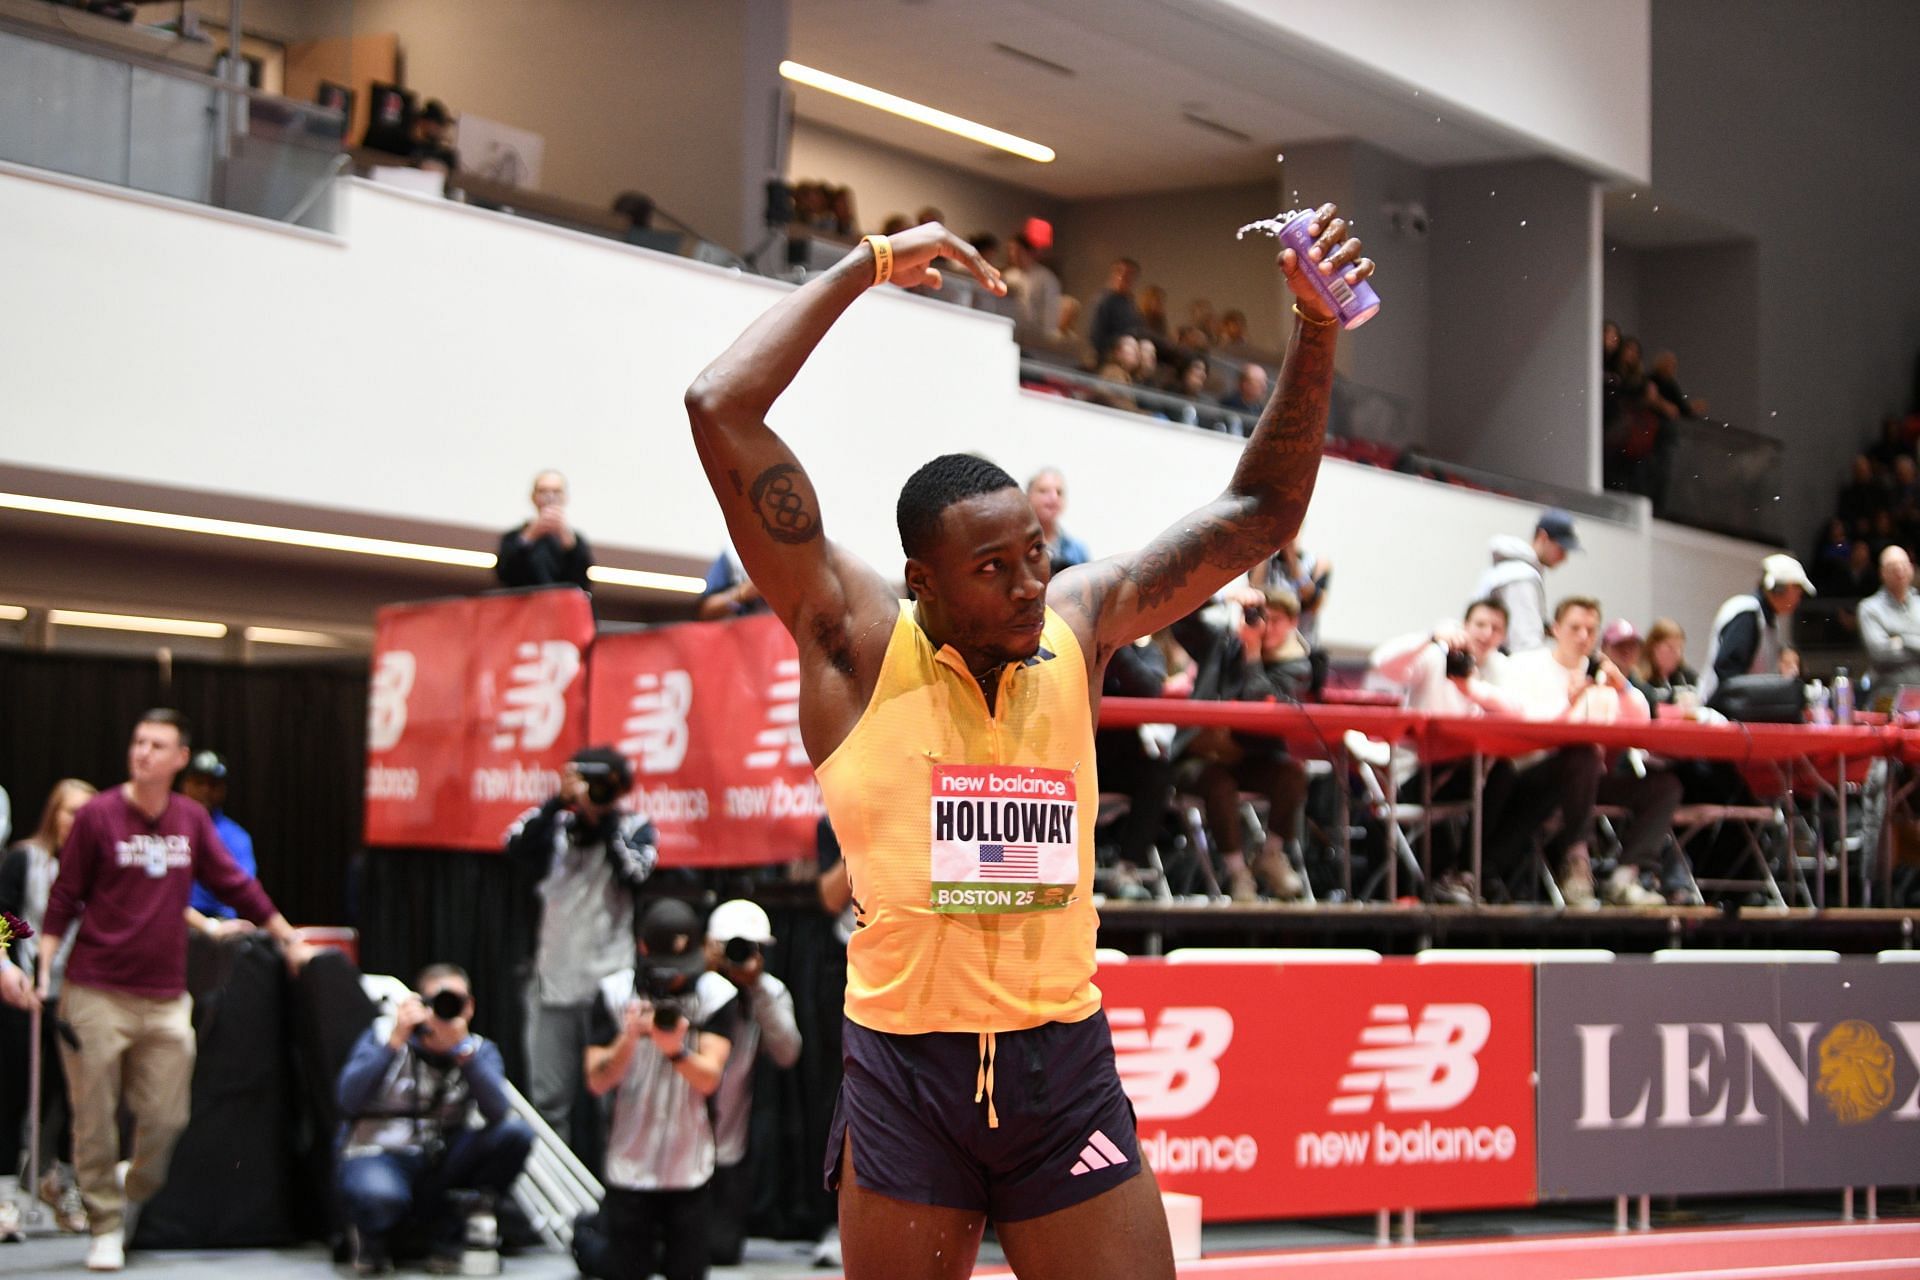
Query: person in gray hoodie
{"points": [[1517, 577]]}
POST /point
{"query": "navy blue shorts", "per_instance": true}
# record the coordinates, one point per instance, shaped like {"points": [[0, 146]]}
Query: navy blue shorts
{"points": [[1066, 1128]]}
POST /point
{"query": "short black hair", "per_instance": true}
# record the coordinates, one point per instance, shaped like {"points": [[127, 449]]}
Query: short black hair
{"points": [[167, 715], [928, 492]]}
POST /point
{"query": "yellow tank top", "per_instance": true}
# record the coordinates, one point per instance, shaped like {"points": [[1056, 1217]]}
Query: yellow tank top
{"points": [[969, 840]]}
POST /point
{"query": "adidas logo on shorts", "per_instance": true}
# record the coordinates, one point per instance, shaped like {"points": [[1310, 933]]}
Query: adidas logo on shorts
{"points": [[1099, 1153]]}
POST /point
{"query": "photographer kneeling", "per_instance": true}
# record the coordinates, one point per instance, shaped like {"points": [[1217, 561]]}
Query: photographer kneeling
{"points": [[407, 1095], [661, 1050]]}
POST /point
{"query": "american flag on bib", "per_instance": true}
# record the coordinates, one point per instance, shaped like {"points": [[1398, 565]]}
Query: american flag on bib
{"points": [[1009, 862]]}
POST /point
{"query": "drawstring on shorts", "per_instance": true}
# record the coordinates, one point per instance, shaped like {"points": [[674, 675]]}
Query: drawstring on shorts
{"points": [[983, 1083]]}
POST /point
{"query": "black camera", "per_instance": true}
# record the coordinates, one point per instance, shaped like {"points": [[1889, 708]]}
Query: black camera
{"points": [[1255, 615], [1459, 664], [1593, 668], [666, 990], [741, 950], [604, 782], [447, 1004]]}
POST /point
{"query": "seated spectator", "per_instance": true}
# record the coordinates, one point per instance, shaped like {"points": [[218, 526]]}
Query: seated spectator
{"points": [[1115, 314], [1890, 625], [1249, 393], [1665, 378], [1622, 644], [1232, 338], [205, 780], [928, 213], [895, 224], [546, 549], [1864, 496], [1750, 630], [729, 593], [1257, 656], [1150, 373], [1047, 491], [1306, 575], [1118, 366], [1663, 676], [1832, 558], [1565, 681], [432, 129], [1200, 315], [1881, 533], [407, 1097], [1193, 378], [1033, 290], [1153, 312], [1862, 579], [1516, 578]]}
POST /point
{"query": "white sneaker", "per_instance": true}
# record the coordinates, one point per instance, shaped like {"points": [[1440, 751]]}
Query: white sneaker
{"points": [[108, 1253], [1623, 889], [827, 1252], [10, 1232]]}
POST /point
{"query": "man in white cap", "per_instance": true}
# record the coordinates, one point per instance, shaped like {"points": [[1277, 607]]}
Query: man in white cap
{"points": [[738, 933], [1751, 632]]}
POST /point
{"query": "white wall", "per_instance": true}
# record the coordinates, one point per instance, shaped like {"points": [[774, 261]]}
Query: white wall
{"points": [[422, 369], [1571, 74]]}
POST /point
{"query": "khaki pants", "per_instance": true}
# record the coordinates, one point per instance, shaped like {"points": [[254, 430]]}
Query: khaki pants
{"points": [[134, 1050]]}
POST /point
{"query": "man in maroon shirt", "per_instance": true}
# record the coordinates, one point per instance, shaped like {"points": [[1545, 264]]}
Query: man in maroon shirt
{"points": [[125, 873]]}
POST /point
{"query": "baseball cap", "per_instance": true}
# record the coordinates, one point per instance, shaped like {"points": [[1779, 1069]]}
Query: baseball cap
{"points": [[207, 764], [1785, 571], [1558, 525], [739, 919], [1619, 631], [671, 932]]}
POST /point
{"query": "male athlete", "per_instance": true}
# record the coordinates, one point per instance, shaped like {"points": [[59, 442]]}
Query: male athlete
{"points": [[953, 738]]}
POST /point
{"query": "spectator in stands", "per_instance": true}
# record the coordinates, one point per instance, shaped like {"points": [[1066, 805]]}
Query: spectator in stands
{"points": [[1033, 290], [1832, 558], [1193, 378], [1200, 315], [1150, 373], [407, 1097], [1453, 670], [205, 781], [1068, 323], [1249, 391], [928, 213], [1622, 644], [729, 593], [1047, 492], [125, 872], [660, 1149], [546, 549], [1232, 339], [432, 134], [588, 860], [1567, 681], [1751, 631], [1863, 579], [1115, 314], [1864, 496], [1890, 624], [1153, 313], [1516, 578], [1306, 575], [1119, 366], [1665, 378], [26, 878], [1257, 655], [738, 934], [1663, 676]]}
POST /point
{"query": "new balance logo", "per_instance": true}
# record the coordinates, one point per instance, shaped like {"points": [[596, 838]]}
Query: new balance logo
{"points": [[392, 681], [1426, 1067], [780, 740], [656, 731], [536, 701], [1171, 1070], [1099, 1153]]}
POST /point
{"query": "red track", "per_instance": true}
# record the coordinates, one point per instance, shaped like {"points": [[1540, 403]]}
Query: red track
{"points": [[1872, 1251]]}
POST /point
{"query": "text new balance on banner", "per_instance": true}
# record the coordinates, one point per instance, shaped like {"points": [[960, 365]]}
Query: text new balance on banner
{"points": [[1721, 1078], [709, 713], [1316, 1090], [474, 707]]}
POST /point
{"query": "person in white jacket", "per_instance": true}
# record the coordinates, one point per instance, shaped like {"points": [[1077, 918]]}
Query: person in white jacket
{"points": [[1570, 682], [1517, 577]]}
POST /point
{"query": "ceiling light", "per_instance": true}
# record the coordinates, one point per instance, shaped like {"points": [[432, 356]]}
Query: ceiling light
{"points": [[918, 112], [281, 635], [12, 612], [132, 622], [314, 539], [648, 579]]}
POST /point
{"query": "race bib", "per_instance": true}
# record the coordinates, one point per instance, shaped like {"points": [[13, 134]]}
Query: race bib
{"points": [[1003, 838]]}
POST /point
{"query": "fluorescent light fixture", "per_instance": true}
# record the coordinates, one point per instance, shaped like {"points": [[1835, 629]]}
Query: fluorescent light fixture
{"points": [[854, 91], [133, 622], [648, 579], [281, 635], [315, 540], [12, 612]]}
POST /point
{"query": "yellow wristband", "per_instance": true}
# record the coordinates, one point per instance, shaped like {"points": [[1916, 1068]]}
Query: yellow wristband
{"points": [[1318, 324], [882, 258]]}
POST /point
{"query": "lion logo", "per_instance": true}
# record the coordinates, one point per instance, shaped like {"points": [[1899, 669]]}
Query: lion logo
{"points": [[1856, 1072]]}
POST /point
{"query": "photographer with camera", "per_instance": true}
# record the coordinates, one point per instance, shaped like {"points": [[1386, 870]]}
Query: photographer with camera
{"points": [[660, 1048], [738, 933], [589, 860], [546, 549], [407, 1096]]}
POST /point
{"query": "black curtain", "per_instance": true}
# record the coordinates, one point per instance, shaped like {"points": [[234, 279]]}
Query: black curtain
{"points": [[295, 737]]}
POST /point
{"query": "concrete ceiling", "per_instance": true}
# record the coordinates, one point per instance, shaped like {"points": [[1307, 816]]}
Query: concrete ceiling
{"points": [[1125, 97]]}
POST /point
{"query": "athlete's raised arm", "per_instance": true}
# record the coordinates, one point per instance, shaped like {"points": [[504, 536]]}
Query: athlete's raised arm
{"points": [[1115, 601]]}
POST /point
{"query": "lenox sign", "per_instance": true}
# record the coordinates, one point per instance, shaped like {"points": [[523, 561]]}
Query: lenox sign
{"points": [[1329, 1089]]}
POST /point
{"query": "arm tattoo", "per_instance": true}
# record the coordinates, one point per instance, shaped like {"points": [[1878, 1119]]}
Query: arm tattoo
{"points": [[1223, 543], [784, 501]]}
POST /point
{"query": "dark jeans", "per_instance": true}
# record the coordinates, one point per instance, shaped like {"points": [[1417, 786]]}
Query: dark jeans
{"points": [[658, 1231], [381, 1191], [1453, 784], [1567, 782], [1651, 800], [1146, 781], [727, 1210]]}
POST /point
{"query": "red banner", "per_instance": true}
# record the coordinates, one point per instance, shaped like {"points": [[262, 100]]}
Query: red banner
{"points": [[474, 707], [1320, 1090], [709, 713]]}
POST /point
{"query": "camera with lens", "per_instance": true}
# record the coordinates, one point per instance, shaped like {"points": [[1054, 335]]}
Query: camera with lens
{"points": [[447, 1004], [1459, 664], [668, 990], [606, 772], [742, 951]]}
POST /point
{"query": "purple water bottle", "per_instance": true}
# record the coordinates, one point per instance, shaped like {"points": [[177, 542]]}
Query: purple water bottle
{"points": [[1355, 304]]}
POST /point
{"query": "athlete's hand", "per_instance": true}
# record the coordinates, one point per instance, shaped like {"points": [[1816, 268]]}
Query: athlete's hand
{"points": [[1334, 249], [917, 249]]}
